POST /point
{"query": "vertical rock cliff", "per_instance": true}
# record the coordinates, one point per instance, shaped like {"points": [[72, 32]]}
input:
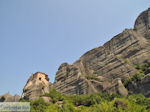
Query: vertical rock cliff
{"points": [[105, 68]]}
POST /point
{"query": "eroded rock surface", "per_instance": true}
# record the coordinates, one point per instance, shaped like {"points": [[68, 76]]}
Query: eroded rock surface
{"points": [[142, 24], [115, 59], [70, 80], [36, 86], [140, 87], [117, 87]]}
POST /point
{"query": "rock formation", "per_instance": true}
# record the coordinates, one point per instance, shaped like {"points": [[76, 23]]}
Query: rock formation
{"points": [[140, 87], [8, 98], [105, 68], [142, 24], [117, 87], [37, 85]]}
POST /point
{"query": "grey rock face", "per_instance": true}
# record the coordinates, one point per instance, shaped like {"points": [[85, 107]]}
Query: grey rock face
{"points": [[142, 86], [37, 85], [117, 87], [142, 24], [115, 59], [8, 98], [70, 80]]}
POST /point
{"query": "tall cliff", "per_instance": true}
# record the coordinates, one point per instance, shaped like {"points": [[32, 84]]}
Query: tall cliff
{"points": [[36, 86], [106, 68]]}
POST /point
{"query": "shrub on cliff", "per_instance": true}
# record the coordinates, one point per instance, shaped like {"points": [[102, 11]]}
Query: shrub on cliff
{"points": [[89, 77], [56, 96], [135, 78], [143, 67]]}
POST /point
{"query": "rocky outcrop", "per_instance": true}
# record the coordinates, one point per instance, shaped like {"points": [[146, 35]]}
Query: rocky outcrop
{"points": [[142, 24], [100, 68], [9, 98], [70, 80], [140, 87], [37, 85], [117, 87]]}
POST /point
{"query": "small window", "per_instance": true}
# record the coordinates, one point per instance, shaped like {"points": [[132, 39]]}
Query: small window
{"points": [[40, 78]]}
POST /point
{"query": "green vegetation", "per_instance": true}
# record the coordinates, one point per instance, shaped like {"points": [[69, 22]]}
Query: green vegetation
{"points": [[135, 78], [38, 105], [89, 77], [139, 75], [143, 67], [86, 100], [43, 87], [98, 102], [95, 72], [56, 96], [125, 60]]}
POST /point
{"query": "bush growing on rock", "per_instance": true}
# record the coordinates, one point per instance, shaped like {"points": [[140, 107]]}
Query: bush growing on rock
{"points": [[135, 78], [56, 96]]}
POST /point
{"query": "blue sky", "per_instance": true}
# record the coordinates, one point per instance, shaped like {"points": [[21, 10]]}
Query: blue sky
{"points": [[39, 35]]}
